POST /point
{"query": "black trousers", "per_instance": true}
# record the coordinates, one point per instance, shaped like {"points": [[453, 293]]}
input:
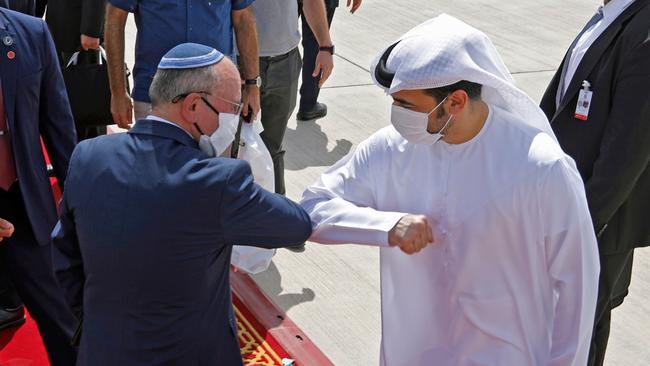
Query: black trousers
{"points": [[278, 99], [8, 296], [29, 267], [615, 277], [309, 89]]}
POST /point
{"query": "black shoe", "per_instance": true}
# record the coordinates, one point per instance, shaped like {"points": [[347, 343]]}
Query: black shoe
{"points": [[11, 317], [319, 111], [297, 248]]}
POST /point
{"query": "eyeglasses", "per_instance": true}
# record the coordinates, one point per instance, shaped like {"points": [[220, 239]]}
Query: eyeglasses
{"points": [[237, 107]]}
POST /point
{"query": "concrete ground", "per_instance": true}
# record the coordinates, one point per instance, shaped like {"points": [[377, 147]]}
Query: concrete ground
{"points": [[332, 292]]}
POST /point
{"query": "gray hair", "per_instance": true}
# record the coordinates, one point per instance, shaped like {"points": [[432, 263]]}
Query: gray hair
{"points": [[170, 83]]}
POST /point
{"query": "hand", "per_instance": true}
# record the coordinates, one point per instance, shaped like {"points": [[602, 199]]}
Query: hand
{"points": [[6, 229], [411, 234], [122, 109], [250, 97], [324, 66], [89, 43], [355, 5]]}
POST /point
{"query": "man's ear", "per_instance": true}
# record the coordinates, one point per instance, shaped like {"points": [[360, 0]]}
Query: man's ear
{"points": [[457, 101], [188, 107]]}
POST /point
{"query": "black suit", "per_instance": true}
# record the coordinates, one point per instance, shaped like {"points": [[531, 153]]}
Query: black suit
{"points": [[69, 19], [612, 150], [22, 6]]}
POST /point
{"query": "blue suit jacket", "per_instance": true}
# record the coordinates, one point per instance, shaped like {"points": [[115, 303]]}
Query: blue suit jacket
{"points": [[144, 242], [36, 104]]}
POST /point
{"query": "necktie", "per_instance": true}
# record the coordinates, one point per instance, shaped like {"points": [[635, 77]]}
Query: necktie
{"points": [[7, 165], [595, 19]]}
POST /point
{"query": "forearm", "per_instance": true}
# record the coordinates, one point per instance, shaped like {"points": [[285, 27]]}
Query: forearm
{"points": [[55, 117], [114, 39], [246, 34], [314, 12], [337, 221], [618, 168], [571, 254], [574, 270], [254, 216], [92, 18]]}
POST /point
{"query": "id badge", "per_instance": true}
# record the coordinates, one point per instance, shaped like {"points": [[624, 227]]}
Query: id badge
{"points": [[584, 102]]}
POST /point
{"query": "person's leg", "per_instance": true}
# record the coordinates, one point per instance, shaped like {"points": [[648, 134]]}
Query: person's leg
{"points": [[9, 299], [30, 268], [8, 296], [141, 109], [278, 99], [309, 89], [615, 274], [12, 313]]}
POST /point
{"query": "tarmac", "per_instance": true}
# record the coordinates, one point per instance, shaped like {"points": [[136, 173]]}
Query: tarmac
{"points": [[332, 292]]}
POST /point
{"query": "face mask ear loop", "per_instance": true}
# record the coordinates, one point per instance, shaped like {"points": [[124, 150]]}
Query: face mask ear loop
{"points": [[438, 106], [446, 125]]}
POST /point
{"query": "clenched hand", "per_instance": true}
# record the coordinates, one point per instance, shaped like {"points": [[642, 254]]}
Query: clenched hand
{"points": [[411, 234]]}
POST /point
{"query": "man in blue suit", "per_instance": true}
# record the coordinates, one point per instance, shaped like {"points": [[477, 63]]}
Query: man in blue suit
{"points": [[149, 218], [34, 104]]}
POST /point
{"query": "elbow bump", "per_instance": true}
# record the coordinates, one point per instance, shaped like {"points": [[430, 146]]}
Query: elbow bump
{"points": [[307, 228]]}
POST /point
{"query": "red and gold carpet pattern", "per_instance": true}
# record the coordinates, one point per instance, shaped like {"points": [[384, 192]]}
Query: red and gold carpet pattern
{"points": [[258, 348], [22, 346]]}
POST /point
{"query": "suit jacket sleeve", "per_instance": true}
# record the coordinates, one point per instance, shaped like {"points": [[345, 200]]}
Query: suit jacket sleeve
{"points": [[92, 18], [66, 257], [624, 151], [56, 122], [254, 216]]}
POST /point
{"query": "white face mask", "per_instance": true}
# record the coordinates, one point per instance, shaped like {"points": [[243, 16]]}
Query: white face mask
{"points": [[206, 146], [413, 125], [204, 143], [225, 134]]}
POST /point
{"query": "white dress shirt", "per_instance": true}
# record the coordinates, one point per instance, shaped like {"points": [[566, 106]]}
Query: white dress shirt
{"points": [[151, 117], [611, 11]]}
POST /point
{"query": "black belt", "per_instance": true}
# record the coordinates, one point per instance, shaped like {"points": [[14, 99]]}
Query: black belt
{"points": [[278, 57]]}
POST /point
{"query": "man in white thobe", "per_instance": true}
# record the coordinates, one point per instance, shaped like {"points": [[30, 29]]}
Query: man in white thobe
{"points": [[468, 179]]}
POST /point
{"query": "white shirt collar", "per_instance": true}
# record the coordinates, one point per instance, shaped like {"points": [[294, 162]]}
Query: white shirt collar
{"points": [[614, 8], [160, 119]]}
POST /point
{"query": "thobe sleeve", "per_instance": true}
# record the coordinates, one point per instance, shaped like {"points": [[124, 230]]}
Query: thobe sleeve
{"points": [[341, 203], [572, 260]]}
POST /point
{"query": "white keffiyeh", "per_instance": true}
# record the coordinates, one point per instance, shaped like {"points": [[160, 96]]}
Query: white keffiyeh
{"points": [[443, 51]]}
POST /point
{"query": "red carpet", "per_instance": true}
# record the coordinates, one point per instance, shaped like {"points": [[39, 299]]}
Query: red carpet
{"points": [[22, 346]]}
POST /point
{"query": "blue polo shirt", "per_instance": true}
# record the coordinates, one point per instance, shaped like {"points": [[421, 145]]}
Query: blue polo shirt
{"points": [[163, 24]]}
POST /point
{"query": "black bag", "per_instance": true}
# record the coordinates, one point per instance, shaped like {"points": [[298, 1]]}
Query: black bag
{"points": [[86, 81]]}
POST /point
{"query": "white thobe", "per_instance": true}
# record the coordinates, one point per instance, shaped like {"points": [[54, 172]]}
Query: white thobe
{"points": [[512, 276]]}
